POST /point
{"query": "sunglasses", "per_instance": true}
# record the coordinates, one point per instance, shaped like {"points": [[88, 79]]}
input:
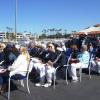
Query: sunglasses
{"points": [[49, 46]]}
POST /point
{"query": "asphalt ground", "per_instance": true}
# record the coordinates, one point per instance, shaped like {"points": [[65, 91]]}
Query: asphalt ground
{"points": [[88, 89]]}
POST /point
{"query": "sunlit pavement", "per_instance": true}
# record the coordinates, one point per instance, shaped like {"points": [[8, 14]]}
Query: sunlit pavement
{"points": [[88, 89]]}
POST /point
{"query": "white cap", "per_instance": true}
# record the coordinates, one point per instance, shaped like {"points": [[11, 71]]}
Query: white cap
{"points": [[60, 49], [17, 46]]}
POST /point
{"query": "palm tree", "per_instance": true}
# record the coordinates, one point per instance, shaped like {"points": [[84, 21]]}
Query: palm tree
{"points": [[44, 31], [8, 29], [52, 30]]}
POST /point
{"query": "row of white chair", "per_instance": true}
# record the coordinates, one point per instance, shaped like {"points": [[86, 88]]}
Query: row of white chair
{"points": [[80, 70], [30, 66]]}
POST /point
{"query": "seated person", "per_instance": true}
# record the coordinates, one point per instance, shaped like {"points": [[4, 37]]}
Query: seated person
{"points": [[45, 66], [19, 67], [1, 52], [33, 51], [83, 58], [74, 54], [68, 51], [62, 59], [96, 62]]}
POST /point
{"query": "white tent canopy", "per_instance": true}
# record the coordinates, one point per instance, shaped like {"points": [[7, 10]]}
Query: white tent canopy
{"points": [[93, 29]]}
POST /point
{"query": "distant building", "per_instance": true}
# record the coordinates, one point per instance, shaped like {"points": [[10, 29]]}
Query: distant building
{"points": [[19, 36], [2, 35], [29, 35]]}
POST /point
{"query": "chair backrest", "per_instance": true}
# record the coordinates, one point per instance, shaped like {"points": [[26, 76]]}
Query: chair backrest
{"points": [[58, 57], [1, 62], [90, 59], [30, 66], [69, 59]]}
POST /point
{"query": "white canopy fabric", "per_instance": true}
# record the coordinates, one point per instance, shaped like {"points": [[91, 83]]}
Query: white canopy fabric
{"points": [[90, 30]]}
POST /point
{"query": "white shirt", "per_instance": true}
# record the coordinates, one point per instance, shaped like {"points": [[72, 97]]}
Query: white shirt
{"points": [[20, 66]]}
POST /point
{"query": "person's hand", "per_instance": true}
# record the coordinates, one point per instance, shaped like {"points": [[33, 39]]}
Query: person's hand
{"points": [[2, 70], [73, 59], [40, 60], [97, 59], [50, 63]]}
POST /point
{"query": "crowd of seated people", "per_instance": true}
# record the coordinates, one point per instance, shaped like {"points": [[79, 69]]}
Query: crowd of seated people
{"points": [[18, 67], [46, 62], [45, 59]]}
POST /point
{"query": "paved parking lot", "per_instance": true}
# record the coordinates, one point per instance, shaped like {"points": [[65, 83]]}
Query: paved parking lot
{"points": [[88, 89]]}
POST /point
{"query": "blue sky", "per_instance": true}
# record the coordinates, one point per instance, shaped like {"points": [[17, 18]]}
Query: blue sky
{"points": [[36, 15]]}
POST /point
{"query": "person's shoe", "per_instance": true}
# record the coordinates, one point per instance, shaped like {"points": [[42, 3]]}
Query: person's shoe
{"points": [[75, 81], [47, 85], [38, 84]]}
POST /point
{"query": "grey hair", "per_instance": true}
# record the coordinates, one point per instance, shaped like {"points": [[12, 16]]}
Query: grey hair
{"points": [[84, 47]]}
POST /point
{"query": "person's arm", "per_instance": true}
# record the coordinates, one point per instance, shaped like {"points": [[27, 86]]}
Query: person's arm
{"points": [[53, 59]]}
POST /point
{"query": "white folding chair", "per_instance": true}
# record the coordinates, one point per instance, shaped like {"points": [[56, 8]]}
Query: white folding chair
{"points": [[54, 76], [1, 62], [67, 65], [26, 77]]}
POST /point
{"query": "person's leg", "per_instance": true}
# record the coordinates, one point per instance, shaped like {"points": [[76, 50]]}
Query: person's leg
{"points": [[42, 74], [98, 66], [73, 72], [93, 66], [49, 74], [1, 83], [5, 77], [41, 70]]}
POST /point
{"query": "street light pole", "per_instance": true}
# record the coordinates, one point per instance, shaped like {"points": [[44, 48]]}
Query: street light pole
{"points": [[16, 2]]}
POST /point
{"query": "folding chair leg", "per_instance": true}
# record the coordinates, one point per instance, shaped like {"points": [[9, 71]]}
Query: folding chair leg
{"points": [[66, 76], [28, 86], [54, 79], [80, 72], [89, 72], [9, 89]]}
